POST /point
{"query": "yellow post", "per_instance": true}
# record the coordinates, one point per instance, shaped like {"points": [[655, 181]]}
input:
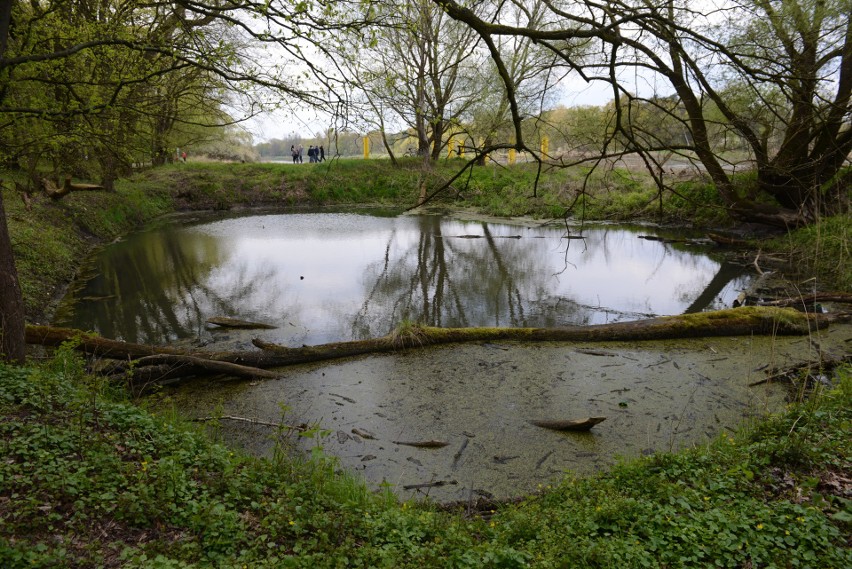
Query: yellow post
{"points": [[545, 143], [450, 147], [512, 155], [366, 147]]}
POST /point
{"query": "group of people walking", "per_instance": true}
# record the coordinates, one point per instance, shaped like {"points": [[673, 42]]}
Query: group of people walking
{"points": [[315, 153]]}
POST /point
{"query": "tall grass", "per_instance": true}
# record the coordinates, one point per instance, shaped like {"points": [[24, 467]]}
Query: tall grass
{"points": [[822, 251]]}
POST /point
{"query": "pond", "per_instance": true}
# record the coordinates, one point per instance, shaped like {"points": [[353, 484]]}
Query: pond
{"points": [[332, 276], [322, 277]]}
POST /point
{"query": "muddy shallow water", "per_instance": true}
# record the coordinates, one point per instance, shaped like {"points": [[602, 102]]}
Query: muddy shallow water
{"points": [[479, 398]]}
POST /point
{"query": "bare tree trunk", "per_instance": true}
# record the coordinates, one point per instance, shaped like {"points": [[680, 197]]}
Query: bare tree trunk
{"points": [[388, 147], [12, 343]]}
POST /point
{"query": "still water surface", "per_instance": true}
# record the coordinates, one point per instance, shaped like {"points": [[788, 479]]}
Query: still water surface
{"points": [[322, 277]]}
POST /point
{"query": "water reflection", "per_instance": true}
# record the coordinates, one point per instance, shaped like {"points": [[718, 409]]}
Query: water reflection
{"points": [[334, 276]]}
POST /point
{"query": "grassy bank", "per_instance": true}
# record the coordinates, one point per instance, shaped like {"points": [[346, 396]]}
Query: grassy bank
{"points": [[90, 480], [822, 252]]}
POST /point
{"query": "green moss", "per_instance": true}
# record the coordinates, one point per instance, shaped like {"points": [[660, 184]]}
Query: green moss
{"points": [[768, 319]]}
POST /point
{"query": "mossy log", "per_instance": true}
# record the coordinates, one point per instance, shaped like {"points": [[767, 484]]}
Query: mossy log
{"points": [[742, 321], [93, 344], [749, 320], [147, 364]]}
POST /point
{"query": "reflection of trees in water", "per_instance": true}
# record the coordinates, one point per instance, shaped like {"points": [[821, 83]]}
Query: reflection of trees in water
{"points": [[726, 274], [154, 287], [444, 280], [615, 244], [164, 285]]}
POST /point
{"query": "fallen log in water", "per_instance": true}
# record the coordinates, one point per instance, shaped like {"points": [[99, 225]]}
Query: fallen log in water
{"points": [[570, 424], [148, 371], [741, 321], [205, 364], [147, 364]]}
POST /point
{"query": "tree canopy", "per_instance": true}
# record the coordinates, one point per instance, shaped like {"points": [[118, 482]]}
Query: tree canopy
{"points": [[94, 87], [773, 75]]}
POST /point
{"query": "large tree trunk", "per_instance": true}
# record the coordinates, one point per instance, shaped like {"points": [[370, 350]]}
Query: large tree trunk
{"points": [[12, 344]]}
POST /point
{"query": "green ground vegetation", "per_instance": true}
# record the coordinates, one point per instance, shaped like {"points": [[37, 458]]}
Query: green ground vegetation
{"points": [[50, 237], [90, 479]]}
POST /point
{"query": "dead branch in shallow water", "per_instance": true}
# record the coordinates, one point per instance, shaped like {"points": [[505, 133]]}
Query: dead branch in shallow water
{"points": [[437, 484], [206, 365], [569, 424], [803, 370], [542, 459], [459, 452], [808, 300], [161, 368], [422, 444], [236, 323], [364, 434]]}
